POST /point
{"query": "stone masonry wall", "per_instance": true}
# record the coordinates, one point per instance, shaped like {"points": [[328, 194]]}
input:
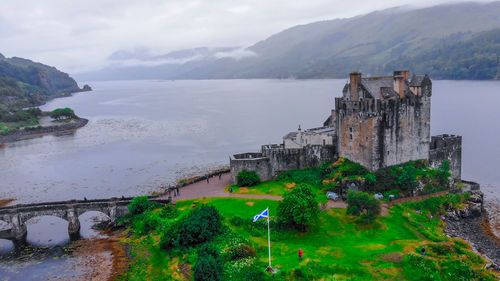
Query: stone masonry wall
{"points": [[250, 162], [447, 148], [378, 133], [310, 156]]}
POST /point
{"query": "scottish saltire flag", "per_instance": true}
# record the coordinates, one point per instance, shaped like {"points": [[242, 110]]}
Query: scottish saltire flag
{"points": [[261, 215]]}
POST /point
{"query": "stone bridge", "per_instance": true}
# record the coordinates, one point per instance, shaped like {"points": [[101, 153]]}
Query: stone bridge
{"points": [[14, 218]]}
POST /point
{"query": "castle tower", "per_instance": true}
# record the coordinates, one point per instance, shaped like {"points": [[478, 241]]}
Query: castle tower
{"points": [[384, 121]]}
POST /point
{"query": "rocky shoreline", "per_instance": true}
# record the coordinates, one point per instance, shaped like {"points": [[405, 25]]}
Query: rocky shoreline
{"points": [[32, 132], [472, 225]]}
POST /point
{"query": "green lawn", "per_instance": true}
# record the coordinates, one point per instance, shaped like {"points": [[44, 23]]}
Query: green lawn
{"points": [[337, 246], [278, 188]]}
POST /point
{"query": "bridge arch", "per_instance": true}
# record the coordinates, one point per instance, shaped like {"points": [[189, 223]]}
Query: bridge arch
{"points": [[46, 230]]}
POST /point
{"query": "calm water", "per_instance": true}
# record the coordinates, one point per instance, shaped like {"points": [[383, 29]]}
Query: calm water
{"points": [[145, 134]]}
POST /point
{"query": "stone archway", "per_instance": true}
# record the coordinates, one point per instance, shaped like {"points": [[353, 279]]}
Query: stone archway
{"points": [[46, 230], [91, 221]]}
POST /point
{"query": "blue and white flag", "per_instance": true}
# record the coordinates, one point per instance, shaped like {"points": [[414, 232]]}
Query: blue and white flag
{"points": [[261, 215]]}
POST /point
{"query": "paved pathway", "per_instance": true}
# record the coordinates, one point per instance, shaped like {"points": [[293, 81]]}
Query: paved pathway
{"points": [[214, 188]]}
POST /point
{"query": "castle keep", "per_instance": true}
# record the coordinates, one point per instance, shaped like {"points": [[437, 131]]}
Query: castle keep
{"points": [[377, 122]]}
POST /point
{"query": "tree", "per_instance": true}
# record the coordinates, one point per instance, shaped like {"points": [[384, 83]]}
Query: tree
{"points": [[63, 113], [248, 178], [140, 204], [299, 208], [364, 205], [200, 226]]}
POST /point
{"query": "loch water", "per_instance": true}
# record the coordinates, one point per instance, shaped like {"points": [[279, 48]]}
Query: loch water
{"points": [[143, 135]]}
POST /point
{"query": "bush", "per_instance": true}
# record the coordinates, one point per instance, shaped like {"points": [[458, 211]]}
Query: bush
{"points": [[248, 178], [200, 226], [170, 234], [206, 269], [364, 205], [343, 168], [325, 168], [63, 113], [299, 208], [141, 204], [240, 252], [438, 205]]}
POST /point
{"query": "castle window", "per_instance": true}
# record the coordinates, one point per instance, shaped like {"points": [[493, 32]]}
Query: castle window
{"points": [[350, 133]]}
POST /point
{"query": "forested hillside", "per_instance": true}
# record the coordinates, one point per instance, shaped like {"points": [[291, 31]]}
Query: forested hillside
{"points": [[453, 41], [27, 83]]}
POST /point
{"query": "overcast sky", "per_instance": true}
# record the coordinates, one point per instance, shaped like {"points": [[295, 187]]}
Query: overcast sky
{"points": [[79, 35]]}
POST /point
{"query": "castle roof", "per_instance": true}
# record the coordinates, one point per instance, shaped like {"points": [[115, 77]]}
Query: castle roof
{"points": [[373, 85], [416, 80], [383, 87]]}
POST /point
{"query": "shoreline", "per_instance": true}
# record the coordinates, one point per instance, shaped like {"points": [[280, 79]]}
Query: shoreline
{"points": [[41, 131], [473, 225]]}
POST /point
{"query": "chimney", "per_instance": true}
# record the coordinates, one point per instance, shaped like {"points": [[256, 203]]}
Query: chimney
{"points": [[354, 78], [399, 81]]}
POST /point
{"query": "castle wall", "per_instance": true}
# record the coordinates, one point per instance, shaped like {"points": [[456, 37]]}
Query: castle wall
{"points": [[284, 159], [446, 148], [381, 133], [250, 162]]}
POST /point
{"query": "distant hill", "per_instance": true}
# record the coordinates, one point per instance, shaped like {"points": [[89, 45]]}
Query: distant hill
{"points": [[374, 44], [27, 83]]}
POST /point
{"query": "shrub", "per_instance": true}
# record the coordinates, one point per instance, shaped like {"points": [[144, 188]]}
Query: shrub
{"points": [[206, 269], [240, 252], [462, 270], [63, 113], [170, 234], [140, 204], [325, 168], [343, 168], [248, 178], [200, 226], [438, 205], [299, 208], [237, 221], [364, 205]]}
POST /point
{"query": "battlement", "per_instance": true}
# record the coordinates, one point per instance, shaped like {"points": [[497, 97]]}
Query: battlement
{"points": [[446, 148], [445, 141], [247, 156], [374, 106]]}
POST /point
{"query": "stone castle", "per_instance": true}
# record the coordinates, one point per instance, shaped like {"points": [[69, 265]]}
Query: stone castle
{"points": [[378, 122]]}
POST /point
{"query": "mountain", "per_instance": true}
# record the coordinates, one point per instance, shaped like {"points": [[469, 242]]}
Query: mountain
{"points": [[373, 44], [27, 83], [140, 63]]}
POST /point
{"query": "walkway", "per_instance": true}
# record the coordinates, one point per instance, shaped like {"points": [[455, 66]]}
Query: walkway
{"points": [[214, 188]]}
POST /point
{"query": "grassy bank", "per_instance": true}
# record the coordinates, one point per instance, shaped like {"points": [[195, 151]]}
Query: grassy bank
{"points": [[336, 248]]}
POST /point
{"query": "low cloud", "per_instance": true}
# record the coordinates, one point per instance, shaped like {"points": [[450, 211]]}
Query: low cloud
{"points": [[235, 54]]}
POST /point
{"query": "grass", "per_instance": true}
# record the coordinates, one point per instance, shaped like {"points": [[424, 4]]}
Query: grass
{"points": [[336, 248], [277, 188], [337, 242], [12, 126]]}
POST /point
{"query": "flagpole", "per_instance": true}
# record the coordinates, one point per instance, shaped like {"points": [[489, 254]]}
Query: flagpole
{"points": [[268, 237]]}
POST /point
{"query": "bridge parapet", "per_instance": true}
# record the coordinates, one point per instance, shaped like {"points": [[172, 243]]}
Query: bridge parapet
{"points": [[16, 216]]}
